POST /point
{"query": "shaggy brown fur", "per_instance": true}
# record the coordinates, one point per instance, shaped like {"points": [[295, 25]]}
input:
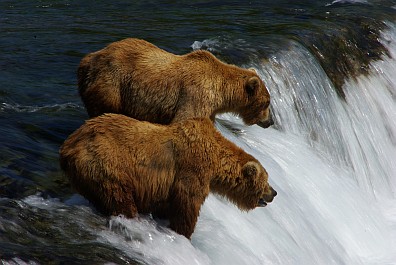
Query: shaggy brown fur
{"points": [[125, 166], [136, 78]]}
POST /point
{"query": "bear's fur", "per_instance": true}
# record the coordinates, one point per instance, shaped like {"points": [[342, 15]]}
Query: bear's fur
{"points": [[136, 78], [125, 166]]}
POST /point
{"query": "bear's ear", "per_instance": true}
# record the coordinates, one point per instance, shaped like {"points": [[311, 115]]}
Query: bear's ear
{"points": [[249, 169], [253, 70], [252, 85]]}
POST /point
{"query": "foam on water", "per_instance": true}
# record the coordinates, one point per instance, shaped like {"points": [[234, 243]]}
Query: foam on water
{"points": [[348, 1], [319, 217], [151, 243]]}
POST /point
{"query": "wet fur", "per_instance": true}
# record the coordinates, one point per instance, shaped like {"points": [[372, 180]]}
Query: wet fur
{"points": [[125, 166], [136, 78]]}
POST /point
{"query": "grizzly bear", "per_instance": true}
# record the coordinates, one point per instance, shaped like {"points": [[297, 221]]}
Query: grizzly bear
{"points": [[125, 166], [136, 78]]}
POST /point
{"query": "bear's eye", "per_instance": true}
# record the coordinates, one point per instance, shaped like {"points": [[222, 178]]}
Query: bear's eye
{"points": [[250, 171], [238, 180], [266, 105]]}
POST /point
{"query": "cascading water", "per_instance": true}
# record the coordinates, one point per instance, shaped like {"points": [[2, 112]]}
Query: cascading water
{"points": [[331, 161], [371, 111], [328, 161], [358, 132]]}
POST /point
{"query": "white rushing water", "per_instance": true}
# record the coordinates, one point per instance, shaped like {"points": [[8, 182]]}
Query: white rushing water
{"points": [[331, 160]]}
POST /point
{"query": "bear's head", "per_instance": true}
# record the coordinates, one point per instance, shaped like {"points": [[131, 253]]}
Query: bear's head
{"points": [[249, 189], [256, 108]]}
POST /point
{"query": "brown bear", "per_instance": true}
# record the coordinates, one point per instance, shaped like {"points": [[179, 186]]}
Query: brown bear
{"points": [[125, 166], [136, 78]]}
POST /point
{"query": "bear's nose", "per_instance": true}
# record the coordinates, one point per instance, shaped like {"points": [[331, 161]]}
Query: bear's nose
{"points": [[273, 192], [265, 124], [270, 197]]}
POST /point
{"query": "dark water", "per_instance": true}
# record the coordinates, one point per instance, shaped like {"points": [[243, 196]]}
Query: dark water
{"points": [[41, 44]]}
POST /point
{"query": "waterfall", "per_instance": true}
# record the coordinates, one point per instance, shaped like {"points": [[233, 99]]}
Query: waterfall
{"points": [[358, 133], [331, 159]]}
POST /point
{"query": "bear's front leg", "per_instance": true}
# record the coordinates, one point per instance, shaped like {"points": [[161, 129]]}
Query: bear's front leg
{"points": [[185, 204]]}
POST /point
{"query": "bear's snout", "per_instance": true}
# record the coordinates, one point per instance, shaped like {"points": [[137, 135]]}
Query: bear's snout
{"points": [[261, 203], [266, 123], [267, 198]]}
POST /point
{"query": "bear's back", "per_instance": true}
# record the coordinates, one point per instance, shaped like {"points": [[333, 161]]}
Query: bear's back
{"points": [[115, 136], [116, 148], [134, 52]]}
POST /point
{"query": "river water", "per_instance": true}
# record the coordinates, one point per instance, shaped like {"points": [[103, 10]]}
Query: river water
{"points": [[331, 155]]}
